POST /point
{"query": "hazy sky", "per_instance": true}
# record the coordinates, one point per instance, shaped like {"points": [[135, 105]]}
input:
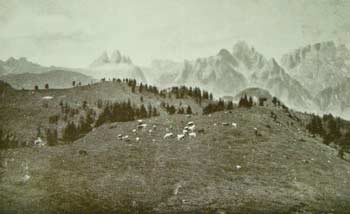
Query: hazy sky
{"points": [[74, 32]]}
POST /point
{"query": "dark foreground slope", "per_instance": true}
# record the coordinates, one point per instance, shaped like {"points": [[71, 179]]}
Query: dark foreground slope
{"points": [[223, 170]]}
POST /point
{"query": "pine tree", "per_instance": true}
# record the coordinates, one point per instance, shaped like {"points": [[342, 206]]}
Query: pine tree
{"points": [[141, 88], [52, 137], [143, 111], [188, 110], [149, 109], [250, 102], [70, 132], [229, 105], [154, 112], [180, 110], [274, 101]]}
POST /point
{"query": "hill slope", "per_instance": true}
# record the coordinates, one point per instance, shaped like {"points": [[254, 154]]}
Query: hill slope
{"points": [[55, 79], [224, 169], [35, 107]]}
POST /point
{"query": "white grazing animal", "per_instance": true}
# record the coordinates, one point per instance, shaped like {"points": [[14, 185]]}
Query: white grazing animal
{"points": [[137, 139], [238, 167], [126, 137], [47, 98], [26, 178], [176, 191], [141, 126], [191, 123], [134, 130], [192, 128], [38, 141], [234, 125], [168, 135], [193, 135], [180, 136], [185, 132]]}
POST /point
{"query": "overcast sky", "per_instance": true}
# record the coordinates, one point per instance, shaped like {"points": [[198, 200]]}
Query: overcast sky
{"points": [[74, 32]]}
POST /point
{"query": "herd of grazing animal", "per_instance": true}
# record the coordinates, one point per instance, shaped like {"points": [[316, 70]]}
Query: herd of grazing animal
{"points": [[189, 131]]}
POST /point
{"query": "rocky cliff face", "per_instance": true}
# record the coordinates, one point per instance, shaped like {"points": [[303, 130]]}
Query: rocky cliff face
{"points": [[318, 66], [274, 78], [336, 100], [216, 73]]}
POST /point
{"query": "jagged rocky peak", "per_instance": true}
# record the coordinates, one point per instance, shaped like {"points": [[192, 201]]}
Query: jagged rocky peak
{"points": [[272, 63], [225, 55], [11, 61], [248, 55], [272, 66], [241, 47], [115, 58], [320, 50]]}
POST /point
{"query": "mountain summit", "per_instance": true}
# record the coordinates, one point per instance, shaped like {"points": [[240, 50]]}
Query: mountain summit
{"points": [[116, 58], [116, 65]]}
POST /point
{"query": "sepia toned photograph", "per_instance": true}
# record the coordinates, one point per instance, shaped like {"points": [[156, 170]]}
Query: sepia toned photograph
{"points": [[174, 106]]}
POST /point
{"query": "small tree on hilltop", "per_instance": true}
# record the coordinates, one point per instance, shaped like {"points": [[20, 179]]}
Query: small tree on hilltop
{"points": [[274, 101], [230, 105], [188, 110], [52, 137], [250, 102], [141, 88]]}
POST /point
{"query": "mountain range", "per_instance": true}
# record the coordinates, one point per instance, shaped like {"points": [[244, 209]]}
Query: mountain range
{"points": [[305, 78], [312, 78]]}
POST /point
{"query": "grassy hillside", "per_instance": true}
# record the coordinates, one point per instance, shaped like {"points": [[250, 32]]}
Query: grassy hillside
{"points": [[224, 169], [24, 111]]}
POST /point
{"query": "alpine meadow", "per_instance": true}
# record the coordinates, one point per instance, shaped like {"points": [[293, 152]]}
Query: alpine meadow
{"points": [[188, 106]]}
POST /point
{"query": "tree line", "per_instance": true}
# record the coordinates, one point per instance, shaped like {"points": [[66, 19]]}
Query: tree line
{"points": [[171, 109], [332, 130], [7, 139], [218, 106], [125, 111]]}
